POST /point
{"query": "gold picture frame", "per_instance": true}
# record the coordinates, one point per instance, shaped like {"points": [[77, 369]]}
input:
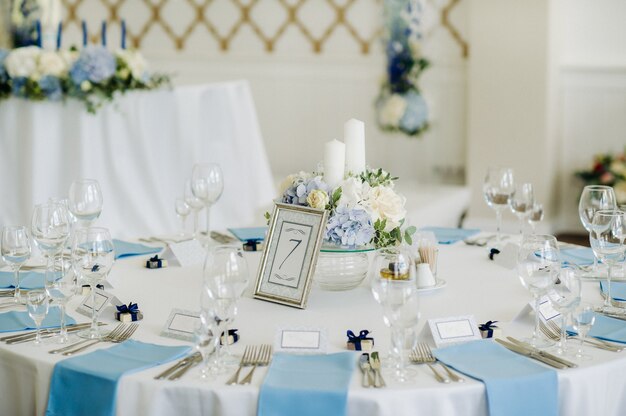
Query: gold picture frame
{"points": [[293, 243]]}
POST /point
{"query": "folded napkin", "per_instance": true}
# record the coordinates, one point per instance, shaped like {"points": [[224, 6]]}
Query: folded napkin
{"points": [[126, 249], [580, 256], [307, 385], [609, 329], [28, 279], [87, 384], [249, 233], [446, 235], [618, 290], [20, 321], [516, 385]]}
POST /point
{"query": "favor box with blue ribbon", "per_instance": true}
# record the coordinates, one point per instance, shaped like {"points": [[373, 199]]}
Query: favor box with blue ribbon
{"points": [[361, 342], [156, 263], [128, 313], [489, 330], [229, 339]]}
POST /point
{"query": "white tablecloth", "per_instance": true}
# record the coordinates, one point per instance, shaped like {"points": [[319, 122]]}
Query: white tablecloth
{"points": [[474, 286], [141, 149]]}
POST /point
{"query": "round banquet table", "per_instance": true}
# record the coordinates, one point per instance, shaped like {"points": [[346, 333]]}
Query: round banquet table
{"points": [[475, 286]]}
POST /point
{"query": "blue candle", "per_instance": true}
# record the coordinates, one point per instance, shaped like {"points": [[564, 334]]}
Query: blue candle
{"points": [[123, 34], [84, 25], [104, 33], [38, 29], [59, 34]]}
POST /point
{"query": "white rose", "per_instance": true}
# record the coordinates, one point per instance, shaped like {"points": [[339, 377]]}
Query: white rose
{"points": [[353, 190], [52, 63], [317, 199], [135, 62], [384, 204], [85, 85], [291, 179], [392, 110], [69, 57], [22, 62]]}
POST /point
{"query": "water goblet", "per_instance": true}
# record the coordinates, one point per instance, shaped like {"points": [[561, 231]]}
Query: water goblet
{"points": [[60, 291], [206, 344], [92, 258], [195, 204], [565, 296], [607, 235], [37, 304], [216, 312], [583, 319], [182, 210], [538, 266], [595, 198], [50, 228], [207, 184], [85, 201], [15, 249], [535, 216], [393, 283], [522, 202], [498, 187]]}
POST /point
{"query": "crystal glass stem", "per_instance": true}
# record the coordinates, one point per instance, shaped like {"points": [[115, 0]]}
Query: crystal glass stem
{"points": [[498, 227], [94, 317], [63, 331], [208, 219], [38, 336], [563, 340], [608, 298], [535, 337], [195, 223], [17, 297]]}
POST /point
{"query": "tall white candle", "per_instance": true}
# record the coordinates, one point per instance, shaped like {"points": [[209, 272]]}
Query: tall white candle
{"points": [[354, 138], [334, 162]]}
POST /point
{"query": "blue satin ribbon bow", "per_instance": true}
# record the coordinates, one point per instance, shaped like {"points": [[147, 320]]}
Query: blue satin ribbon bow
{"points": [[353, 339], [488, 326], [132, 308]]}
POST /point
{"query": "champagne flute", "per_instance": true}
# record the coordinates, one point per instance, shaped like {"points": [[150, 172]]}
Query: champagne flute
{"points": [[565, 297], [595, 198], [538, 266], [522, 203], [182, 210], [393, 283], [92, 258], [15, 248], [195, 203], [37, 304], [583, 319], [207, 184], [50, 228], [60, 291], [498, 187], [85, 201], [608, 231], [535, 216]]}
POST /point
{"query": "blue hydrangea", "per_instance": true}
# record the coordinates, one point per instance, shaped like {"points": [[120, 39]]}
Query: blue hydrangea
{"points": [[4, 76], [416, 113], [19, 87], [95, 64], [51, 87], [349, 227], [297, 193]]}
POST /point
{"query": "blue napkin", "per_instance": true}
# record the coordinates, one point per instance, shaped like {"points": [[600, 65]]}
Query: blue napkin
{"points": [[447, 235], [580, 256], [20, 321], [618, 290], [28, 279], [609, 329], [516, 386], [126, 249], [250, 233], [307, 385], [87, 384]]}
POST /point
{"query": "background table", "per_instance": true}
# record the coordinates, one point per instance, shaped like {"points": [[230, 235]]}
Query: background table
{"points": [[141, 149], [475, 285]]}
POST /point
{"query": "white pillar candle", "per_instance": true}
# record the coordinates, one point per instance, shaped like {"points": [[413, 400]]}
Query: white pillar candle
{"points": [[354, 138], [334, 162]]}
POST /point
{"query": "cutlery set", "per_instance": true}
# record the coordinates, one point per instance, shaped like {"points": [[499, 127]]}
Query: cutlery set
{"points": [[535, 353], [120, 333], [46, 333], [422, 354], [370, 368], [552, 331]]}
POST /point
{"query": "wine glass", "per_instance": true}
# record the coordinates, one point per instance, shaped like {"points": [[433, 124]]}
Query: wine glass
{"points": [[194, 203], [85, 201], [50, 228], [37, 304], [207, 184], [595, 198], [60, 291], [498, 187], [92, 258], [522, 202], [565, 297], [535, 216], [608, 231], [182, 210], [226, 277], [206, 341], [215, 312], [538, 266], [583, 319], [393, 283], [15, 248]]}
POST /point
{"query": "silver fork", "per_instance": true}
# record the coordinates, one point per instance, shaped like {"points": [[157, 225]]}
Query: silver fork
{"points": [[262, 358], [452, 374], [420, 356], [118, 329], [553, 332], [127, 333], [246, 360]]}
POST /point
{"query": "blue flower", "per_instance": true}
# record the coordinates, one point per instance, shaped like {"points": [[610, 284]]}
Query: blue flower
{"points": [[51, 87], [297, 193], [95, 64], [349, 227], [19, 87], [416, 113], [4, 76]]}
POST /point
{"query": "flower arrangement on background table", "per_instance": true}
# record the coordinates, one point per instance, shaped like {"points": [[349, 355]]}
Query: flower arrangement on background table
{"points": [[607, 169], [400, 105]]}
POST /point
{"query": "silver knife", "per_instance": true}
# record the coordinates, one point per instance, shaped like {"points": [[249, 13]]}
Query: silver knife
{"points": [[185, 367], [543, 353], [530, 354], [176, 366]]}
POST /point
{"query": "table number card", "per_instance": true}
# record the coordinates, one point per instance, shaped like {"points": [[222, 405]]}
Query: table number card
{"points": [[103, 299], [181, 324], [453, 330], [185, 253], [301, 340]]}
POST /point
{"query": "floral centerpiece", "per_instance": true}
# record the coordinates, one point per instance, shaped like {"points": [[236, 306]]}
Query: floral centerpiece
{"points": [[92, 75], [363, 209], [607, 169], [400, 105]]}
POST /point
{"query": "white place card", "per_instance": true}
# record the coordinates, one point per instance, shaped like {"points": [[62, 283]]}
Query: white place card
{"points": [[181, 324], [546, 311], [185, 253], [453, 330], [507, 257], [301, 340], [102, 300]]}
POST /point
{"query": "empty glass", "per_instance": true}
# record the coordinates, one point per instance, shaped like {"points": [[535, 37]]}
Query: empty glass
{"points": [[522, 202], [194, 203], [182, 210], [583, 319], [60, 290], [207, 184], [535, 216], [50, 228], [15, 249], [565, 297], [498, 187], [206, 344], [37, 304], [595, 198], [85, 201]]}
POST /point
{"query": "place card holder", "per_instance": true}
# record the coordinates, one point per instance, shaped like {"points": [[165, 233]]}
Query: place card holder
{"points": [[103, 299], [301, 340], [453, 330]]}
